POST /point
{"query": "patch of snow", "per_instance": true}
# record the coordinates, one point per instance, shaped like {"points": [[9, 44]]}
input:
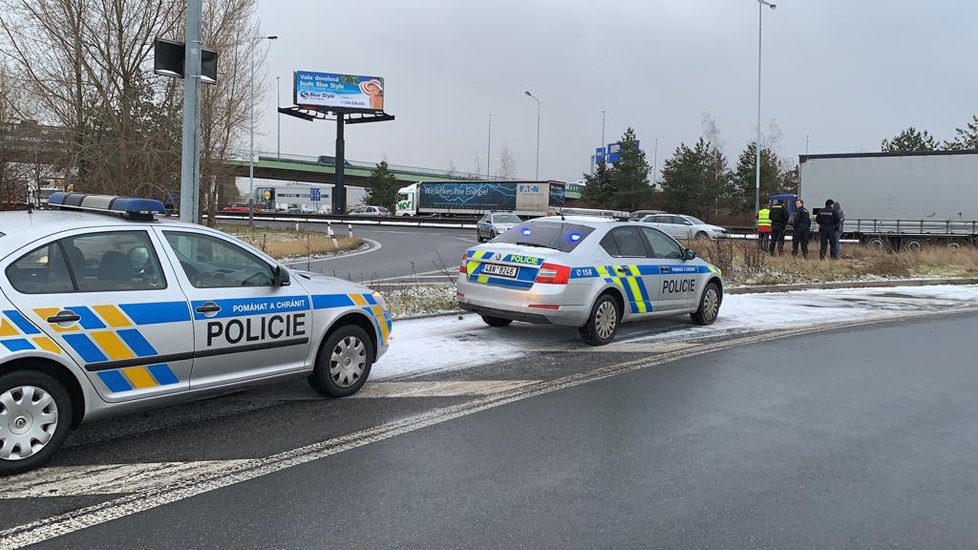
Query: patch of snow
{"points": [[460, 342]]}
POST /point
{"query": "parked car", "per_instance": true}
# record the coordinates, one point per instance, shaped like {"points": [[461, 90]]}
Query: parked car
{"points": [[639, 214], [494, 224], [236, 207], [680, 226], [370, 211]]}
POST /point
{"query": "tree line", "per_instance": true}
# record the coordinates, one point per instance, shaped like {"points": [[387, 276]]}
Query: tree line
{"points": [[912, 139], [84, 67]]}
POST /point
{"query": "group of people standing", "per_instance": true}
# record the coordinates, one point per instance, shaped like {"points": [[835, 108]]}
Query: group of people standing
{"points": [[773, 222]]}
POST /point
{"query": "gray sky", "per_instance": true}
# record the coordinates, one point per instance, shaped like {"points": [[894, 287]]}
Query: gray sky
{"points": [[847, 72]]}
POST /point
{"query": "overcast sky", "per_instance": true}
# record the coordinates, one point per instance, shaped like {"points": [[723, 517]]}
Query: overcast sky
{"points": [[846, 72]]}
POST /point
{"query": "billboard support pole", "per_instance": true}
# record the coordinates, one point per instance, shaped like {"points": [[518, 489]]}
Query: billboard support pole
{"points": [[190, 157], [339, 190]]}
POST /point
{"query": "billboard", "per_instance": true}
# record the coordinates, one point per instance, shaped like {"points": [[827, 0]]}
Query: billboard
{"points": [[365, 93]]}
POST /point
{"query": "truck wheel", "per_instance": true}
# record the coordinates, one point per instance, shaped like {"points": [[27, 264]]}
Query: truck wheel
{"points": [[709, 308], [35, 417], [496, 321], [343, 363], [955, 244], [877, 243], [602, 325], [912, 243]]}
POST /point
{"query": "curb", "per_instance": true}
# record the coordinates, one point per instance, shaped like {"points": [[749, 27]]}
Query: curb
{"points": [[770, 289], [761, 289]]}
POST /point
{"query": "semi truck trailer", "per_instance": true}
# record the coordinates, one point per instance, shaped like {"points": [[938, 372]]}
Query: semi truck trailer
{"points": [[475, 198], [898, 200]]}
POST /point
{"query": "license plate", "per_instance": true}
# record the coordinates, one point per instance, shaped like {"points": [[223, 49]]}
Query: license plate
{"points": [[500, 270]]}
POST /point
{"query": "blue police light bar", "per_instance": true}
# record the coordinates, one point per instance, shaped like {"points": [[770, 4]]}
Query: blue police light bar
{"points": [[127, 207]]}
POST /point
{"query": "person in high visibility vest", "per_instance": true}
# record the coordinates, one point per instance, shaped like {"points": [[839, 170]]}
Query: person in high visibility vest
{"points": [[763, 227]]}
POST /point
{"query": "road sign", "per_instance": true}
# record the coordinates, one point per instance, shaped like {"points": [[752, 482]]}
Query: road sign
{"points": [[314, 194]]}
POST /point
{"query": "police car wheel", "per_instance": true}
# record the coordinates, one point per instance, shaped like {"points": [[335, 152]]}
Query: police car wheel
{"points": [[602, 325], [709, 308], [35, 417], [343, 363], [496, 321]]}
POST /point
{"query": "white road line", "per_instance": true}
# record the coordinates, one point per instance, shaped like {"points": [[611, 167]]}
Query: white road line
{"points": [[375, 246], [107, 479], [69, 522], [440, 389], [626, 347]]}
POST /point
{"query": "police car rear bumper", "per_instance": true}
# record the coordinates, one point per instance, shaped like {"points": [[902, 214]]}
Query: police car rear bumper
{"points": [[544, 304]]}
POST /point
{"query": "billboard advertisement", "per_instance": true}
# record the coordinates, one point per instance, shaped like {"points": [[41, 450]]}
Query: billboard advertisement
{"points": [[265, 198], [365, 93]]}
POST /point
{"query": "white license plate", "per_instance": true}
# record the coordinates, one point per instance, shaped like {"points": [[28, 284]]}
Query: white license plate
{"points": [[500, 270]]}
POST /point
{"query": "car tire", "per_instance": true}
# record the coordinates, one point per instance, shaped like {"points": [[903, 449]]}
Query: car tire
{"points": [[343, 362], [602, 324], [709, 307], [478, 236], [701, 236], [496, 321], [35, 411]]}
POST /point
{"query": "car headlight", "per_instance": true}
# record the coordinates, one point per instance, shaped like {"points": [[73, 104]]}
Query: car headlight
{"points": [[380, 300]]}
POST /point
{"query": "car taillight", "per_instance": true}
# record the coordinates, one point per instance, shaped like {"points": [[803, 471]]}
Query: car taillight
{"points": [[553, 274], [462, 268]]}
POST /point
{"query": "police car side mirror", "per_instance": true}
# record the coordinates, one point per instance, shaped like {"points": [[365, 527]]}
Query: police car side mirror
{"points": [[690, 254], [281, 276]]}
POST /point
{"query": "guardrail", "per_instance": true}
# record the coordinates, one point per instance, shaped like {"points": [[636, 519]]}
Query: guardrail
{"points": [[401, 221]]}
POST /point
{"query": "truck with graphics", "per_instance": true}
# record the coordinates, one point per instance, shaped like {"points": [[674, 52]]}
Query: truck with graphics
{"points": [[904, 200], [475, 198]]}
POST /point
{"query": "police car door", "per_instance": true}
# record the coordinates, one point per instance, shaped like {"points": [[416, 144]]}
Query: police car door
{"points": [[245, 326], [110, 302], [674, 283], [631, 258]]}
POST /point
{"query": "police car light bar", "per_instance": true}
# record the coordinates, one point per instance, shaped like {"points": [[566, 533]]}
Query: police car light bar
{"points": [[127, 207]]}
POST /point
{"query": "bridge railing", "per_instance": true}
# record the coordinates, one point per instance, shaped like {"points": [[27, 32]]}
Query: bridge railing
{"points": [[358, 164]]}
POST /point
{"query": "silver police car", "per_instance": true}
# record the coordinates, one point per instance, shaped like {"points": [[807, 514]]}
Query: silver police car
{"points": [[106, 309], [587, 272]]}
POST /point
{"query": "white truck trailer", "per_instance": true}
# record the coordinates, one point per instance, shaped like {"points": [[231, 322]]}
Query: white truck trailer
{"points": [[898, 200]]}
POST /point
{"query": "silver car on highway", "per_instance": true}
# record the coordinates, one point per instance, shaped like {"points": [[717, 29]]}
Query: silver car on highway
{"points": [[681, 226], [587, 272], [493, 224]]}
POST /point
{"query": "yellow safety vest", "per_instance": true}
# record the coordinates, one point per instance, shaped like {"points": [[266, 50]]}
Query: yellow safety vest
{"points": [[764, 217]]}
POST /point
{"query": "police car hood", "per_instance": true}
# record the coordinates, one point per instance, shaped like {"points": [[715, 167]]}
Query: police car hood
{"points": [[313, 281]]}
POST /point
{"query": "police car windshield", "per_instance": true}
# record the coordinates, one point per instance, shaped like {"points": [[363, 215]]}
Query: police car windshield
{"points": [[559, 236]]}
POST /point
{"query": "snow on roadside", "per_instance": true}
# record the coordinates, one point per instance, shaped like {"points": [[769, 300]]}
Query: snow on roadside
{"points": [[454, 342]]}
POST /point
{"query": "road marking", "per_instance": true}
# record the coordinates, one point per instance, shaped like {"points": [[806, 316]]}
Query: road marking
{"points": [[108, 479], [440, 389], [626, 347], [374, 247], [75, 520]]}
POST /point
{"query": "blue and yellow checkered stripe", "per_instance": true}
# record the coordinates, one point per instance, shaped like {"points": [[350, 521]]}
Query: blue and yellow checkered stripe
{"points": [[525, 276], [17, 333], [138, 378], [629, 279], [383, 322]]}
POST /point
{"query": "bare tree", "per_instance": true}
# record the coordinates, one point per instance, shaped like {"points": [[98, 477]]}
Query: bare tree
{"points": [[507, 164]]}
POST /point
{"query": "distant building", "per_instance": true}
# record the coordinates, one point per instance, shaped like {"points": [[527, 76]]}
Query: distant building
{"points": [[283, 195]]}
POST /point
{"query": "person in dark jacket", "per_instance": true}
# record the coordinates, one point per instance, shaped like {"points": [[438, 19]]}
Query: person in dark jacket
{"points": [[801, 224], [838, 231], [779, 222], [828, 226]]}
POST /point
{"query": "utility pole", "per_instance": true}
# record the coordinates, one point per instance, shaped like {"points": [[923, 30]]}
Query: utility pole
{"points": [[757, 157], [489, 150], [190, 156], [278, 115]]}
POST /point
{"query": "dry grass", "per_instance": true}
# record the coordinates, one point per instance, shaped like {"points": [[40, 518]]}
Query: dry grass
{"points": [[283, 244], [743, 263], [411, 300]]}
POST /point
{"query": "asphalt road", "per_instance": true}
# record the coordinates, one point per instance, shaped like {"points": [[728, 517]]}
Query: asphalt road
{"points": [[405, 253], [863, 437]]}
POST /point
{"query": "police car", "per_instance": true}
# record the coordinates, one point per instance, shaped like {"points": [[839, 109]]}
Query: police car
{"points": [[587, 272], [102, 315]]}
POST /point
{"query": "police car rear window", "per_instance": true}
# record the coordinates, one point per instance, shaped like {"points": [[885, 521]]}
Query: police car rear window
{"points": [[559, 236]]}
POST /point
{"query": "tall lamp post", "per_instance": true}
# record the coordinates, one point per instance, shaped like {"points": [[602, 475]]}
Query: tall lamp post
{"points": [[489, 150], [251, 155], [757, 144], [278, 116], [535, 98], [655, 163]]}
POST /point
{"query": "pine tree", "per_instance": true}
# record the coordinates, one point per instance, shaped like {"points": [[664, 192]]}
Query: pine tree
{"points": [[630, 175], [599, 190], [910, 140], [744, 179], [967, 137], [383, 187], [695, 180]]}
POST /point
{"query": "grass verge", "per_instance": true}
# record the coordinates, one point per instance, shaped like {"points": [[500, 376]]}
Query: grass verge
{"points": [[283, 244]]}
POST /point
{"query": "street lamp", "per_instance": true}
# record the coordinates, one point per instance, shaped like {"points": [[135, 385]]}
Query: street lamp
{"points": [[278, 116], [251, 156], [535, 98], [489, 150], [757, 144], [655, 161]]}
